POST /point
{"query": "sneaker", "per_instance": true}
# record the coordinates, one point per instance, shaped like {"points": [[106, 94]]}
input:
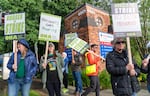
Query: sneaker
{"points": [[65, 90], [78, 94]]}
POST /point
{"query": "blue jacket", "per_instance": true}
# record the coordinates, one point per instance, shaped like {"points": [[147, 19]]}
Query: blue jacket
{"points": [[30, 64]]}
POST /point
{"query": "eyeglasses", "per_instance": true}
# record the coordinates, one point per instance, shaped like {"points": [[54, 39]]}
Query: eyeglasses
{"points": [[119, 42]]}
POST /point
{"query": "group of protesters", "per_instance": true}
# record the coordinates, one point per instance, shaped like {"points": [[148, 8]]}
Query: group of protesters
{"points": [[55, 71]]}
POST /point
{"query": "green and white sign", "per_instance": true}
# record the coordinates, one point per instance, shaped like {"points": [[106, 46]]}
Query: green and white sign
{"points": [[49, 27], [70, 37], [14, 24], [79, 45]]}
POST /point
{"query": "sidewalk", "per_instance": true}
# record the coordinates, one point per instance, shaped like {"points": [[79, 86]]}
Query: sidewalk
{"points": [[37, 86], [108, 92]]}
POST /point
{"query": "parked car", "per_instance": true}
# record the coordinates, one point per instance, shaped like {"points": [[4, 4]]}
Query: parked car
{"points": [[3, 63]]}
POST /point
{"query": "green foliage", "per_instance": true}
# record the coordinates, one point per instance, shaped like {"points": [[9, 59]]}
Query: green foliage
{"points": [[142, 77], [104, 78], [34, 93], [70, 78], [85, 79]]}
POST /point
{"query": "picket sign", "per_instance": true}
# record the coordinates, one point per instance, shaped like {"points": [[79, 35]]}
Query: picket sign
{"points": [[15, 54], [129, 50], [96, 54], [46, 52], [49, 30]]}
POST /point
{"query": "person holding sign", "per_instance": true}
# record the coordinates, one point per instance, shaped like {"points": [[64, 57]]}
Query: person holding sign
{"points": [[21, 74], [52, 71], [123, 74], [76, 71], [65, 72], [93, 58], [145, 68]]}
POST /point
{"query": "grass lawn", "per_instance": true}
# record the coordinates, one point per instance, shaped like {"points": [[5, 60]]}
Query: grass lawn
{"points": [[32, 93]]}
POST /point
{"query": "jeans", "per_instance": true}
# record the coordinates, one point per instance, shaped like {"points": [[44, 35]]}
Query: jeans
{"points": [[18, 84], [78, 81]]}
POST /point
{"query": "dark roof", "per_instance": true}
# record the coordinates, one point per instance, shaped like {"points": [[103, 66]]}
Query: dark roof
{"points": [[85, 5]]}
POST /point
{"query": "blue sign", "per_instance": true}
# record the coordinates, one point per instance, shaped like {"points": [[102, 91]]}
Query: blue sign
{"points": [[69, 53], [104, 49]]}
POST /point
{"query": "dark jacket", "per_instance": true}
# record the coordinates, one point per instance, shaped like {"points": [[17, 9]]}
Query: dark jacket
{"points": [[78, 62], [122, 82], [146, 70], [30, 64]]}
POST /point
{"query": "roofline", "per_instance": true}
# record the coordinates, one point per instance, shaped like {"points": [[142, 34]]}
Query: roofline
{"points": [[85, 5]]}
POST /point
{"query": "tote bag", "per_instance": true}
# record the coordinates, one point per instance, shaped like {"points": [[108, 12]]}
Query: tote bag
{"points": [[90, 69]]}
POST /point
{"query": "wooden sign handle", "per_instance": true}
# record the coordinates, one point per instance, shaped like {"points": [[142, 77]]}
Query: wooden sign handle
{"points": [[46, 52], [96, 54], [129, 50], [15, 54]]}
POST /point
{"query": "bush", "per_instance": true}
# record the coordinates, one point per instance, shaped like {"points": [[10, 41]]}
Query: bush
{"points": [[142, 77], [85, 79], [104, 78]]}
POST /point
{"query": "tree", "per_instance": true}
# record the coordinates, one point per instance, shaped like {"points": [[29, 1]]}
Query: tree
{"points": [[145, 21], [32, 9], [138, 44]]}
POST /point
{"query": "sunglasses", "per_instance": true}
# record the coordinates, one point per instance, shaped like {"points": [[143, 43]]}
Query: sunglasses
{"points": [[119, 42]]}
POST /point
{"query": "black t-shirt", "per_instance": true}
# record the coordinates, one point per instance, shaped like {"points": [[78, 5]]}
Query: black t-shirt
{"points": [[52, 74]]}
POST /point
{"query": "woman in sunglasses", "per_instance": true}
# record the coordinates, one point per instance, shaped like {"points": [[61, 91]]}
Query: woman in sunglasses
{"points": [[123, 75]]}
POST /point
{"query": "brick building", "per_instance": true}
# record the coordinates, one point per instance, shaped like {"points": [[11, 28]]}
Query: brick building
{"points": [[87, 21]]}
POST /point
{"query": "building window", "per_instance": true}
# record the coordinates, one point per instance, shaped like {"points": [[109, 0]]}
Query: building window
{"points": [[75, 24], [99, 21]]}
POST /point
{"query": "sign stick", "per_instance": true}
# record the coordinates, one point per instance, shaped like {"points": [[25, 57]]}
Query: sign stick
{"points": [[15, 53], [72, 55], [46, 52], [129, 50], [96, 54]]}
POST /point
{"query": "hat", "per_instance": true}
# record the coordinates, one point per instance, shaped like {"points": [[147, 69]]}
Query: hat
{"points": [[24, 42], [116, 40], [65, 54], [51, 44], [148, 45]]}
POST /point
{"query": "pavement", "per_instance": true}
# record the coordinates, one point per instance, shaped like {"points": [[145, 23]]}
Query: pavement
{"points": [[37, 85], [107, 92]]}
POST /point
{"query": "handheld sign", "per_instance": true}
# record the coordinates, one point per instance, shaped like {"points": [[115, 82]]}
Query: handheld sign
{"points": [[70, 37], [126, 22], [14, 28], [81, 46], [49, 30], [49, 27]]}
